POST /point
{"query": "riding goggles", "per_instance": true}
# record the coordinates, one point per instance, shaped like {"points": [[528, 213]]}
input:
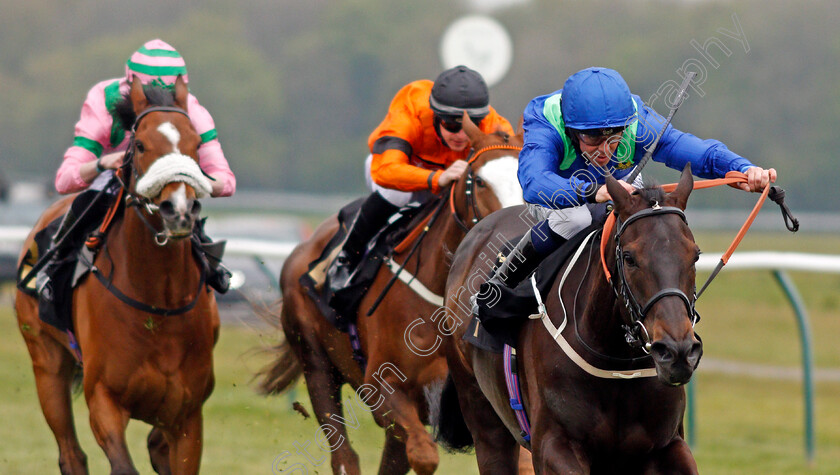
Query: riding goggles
{"points": [[594, 137], [453, 124]]}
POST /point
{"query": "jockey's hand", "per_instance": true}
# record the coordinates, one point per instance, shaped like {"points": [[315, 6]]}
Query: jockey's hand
{"points": [[602, 195], [452, 173], [757, 179], [88, 170], [111, 161]]}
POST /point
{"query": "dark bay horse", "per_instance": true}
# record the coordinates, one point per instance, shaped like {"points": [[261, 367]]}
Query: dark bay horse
{"points": [[595, 403], [145, 321], [400, 339]]}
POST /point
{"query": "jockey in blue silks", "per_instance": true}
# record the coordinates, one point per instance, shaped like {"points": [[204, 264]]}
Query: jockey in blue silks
{"points": [[574, 137]]}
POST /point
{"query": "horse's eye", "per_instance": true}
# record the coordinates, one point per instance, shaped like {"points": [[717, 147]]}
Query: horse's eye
{"points": [[628, 260], [140, 147], [697, 257], [479, 182]]}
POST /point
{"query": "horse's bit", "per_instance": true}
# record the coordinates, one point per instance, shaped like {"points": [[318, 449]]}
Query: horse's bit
{"points": [[132, 199], [637, 335]]}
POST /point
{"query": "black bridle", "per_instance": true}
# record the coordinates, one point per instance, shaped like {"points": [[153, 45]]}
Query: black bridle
{"points": [[636, 334], [136, 201], [469, 191]]}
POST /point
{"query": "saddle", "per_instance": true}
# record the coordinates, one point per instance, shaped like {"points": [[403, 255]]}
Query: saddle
{"points": [[340, 306], [499, 324], [81, 221], [81, 232]]}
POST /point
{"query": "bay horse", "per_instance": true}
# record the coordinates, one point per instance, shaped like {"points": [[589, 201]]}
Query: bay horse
{"points": [[146, 325], [627, 418], [400, 339]]}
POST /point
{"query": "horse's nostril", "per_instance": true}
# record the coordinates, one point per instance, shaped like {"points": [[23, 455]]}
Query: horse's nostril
{"points": [[167, 209], [661, 352], [195, 210]]}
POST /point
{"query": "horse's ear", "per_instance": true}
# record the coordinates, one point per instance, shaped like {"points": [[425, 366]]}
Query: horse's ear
{"points": [[138, 97], [619, 195], [679, 197], [472, 130], [181, 92]]}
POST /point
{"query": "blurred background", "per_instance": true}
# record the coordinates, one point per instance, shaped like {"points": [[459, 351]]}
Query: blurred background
{"points": [[296, 86]]}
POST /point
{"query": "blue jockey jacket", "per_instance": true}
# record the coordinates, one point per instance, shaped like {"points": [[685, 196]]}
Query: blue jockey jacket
{"points": [[555, 175]]}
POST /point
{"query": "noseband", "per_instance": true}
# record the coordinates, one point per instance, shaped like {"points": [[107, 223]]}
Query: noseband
{"points": [[636, 335], [132, 198]]}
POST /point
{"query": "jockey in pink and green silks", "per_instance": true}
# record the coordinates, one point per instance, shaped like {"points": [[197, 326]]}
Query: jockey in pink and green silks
{"points": [[100, 142]]}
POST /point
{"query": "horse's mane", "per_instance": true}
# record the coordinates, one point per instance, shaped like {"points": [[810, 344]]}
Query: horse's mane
{"points": [[156, 95], [652, 193]]}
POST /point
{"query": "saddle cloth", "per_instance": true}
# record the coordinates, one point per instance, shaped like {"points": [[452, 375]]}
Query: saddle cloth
{"points": [[341, 307]]}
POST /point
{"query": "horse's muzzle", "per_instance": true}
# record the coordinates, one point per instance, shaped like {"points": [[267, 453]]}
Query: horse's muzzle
{"points": [[676, 361], [179, 220]]}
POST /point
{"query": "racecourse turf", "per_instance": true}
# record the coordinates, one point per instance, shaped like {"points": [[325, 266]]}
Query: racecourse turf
{"points": [[745, 424]]}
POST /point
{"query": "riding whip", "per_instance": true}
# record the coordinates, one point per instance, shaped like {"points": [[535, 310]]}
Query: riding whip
{"points": [[649, 153]]}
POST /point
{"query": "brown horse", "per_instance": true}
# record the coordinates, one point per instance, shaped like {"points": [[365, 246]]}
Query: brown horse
{"points": [[146, 326], [584, 418], [400, 339]]}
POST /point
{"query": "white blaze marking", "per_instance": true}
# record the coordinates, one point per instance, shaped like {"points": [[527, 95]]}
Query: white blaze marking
{"points": [[179, 199], [170, 132], [500, 174]]}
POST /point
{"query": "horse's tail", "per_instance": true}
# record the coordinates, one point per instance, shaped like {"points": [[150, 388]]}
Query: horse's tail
{"points": [[448, 423], [285, 369]]}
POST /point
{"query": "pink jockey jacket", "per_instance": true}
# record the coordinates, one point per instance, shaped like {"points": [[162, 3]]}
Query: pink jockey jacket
{"points": [[97, 133]]}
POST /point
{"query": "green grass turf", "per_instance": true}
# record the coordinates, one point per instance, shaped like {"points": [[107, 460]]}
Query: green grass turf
{"points": [[744, 425]]}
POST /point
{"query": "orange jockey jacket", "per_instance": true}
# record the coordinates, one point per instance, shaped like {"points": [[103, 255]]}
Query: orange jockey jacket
{"points": [[407, 153]]}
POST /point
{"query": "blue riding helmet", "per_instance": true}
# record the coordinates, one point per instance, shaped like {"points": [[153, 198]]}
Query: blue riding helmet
{"points": [[596, 98]]}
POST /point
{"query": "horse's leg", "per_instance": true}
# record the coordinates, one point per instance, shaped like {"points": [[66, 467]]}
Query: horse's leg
{"points": [[420, 449], [108, 421], [54, 368], [496, 451], [556, 454], [394, 457], [186, 444], [324, 385], [158, 451], [674, 458], [526, 463]]}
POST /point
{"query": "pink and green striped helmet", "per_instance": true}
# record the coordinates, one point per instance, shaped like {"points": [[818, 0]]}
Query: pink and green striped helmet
{"points": [[156, 62]]}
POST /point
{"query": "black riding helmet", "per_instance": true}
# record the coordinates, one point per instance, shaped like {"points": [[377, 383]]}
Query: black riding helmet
{"points": [[457, 90]]}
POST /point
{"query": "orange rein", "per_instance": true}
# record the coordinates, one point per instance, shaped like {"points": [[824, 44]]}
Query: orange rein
{"points": [[403, 245], [472, 159], [95, 240], [730, 179]]}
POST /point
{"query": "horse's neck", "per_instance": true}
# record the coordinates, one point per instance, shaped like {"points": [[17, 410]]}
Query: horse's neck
{"points": [[137, 248], [600, 318], [430, 263]]}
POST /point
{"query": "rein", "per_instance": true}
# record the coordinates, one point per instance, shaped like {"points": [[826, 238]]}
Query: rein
{"points": [[637, 335], [417, 235], [134, 200], [470, 187]]}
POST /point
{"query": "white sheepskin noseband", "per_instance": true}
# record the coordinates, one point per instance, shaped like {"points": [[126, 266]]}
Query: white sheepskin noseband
{"points": [[173, 167]]}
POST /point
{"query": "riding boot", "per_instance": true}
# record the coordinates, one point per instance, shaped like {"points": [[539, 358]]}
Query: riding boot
{"points": [[372, 216], [218, 276], [519, 263], [62, 240]]}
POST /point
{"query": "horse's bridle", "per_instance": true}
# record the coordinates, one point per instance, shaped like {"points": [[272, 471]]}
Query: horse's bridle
{"points": [[637, 335], [132, 198], [136, 201], [470, 187]]}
